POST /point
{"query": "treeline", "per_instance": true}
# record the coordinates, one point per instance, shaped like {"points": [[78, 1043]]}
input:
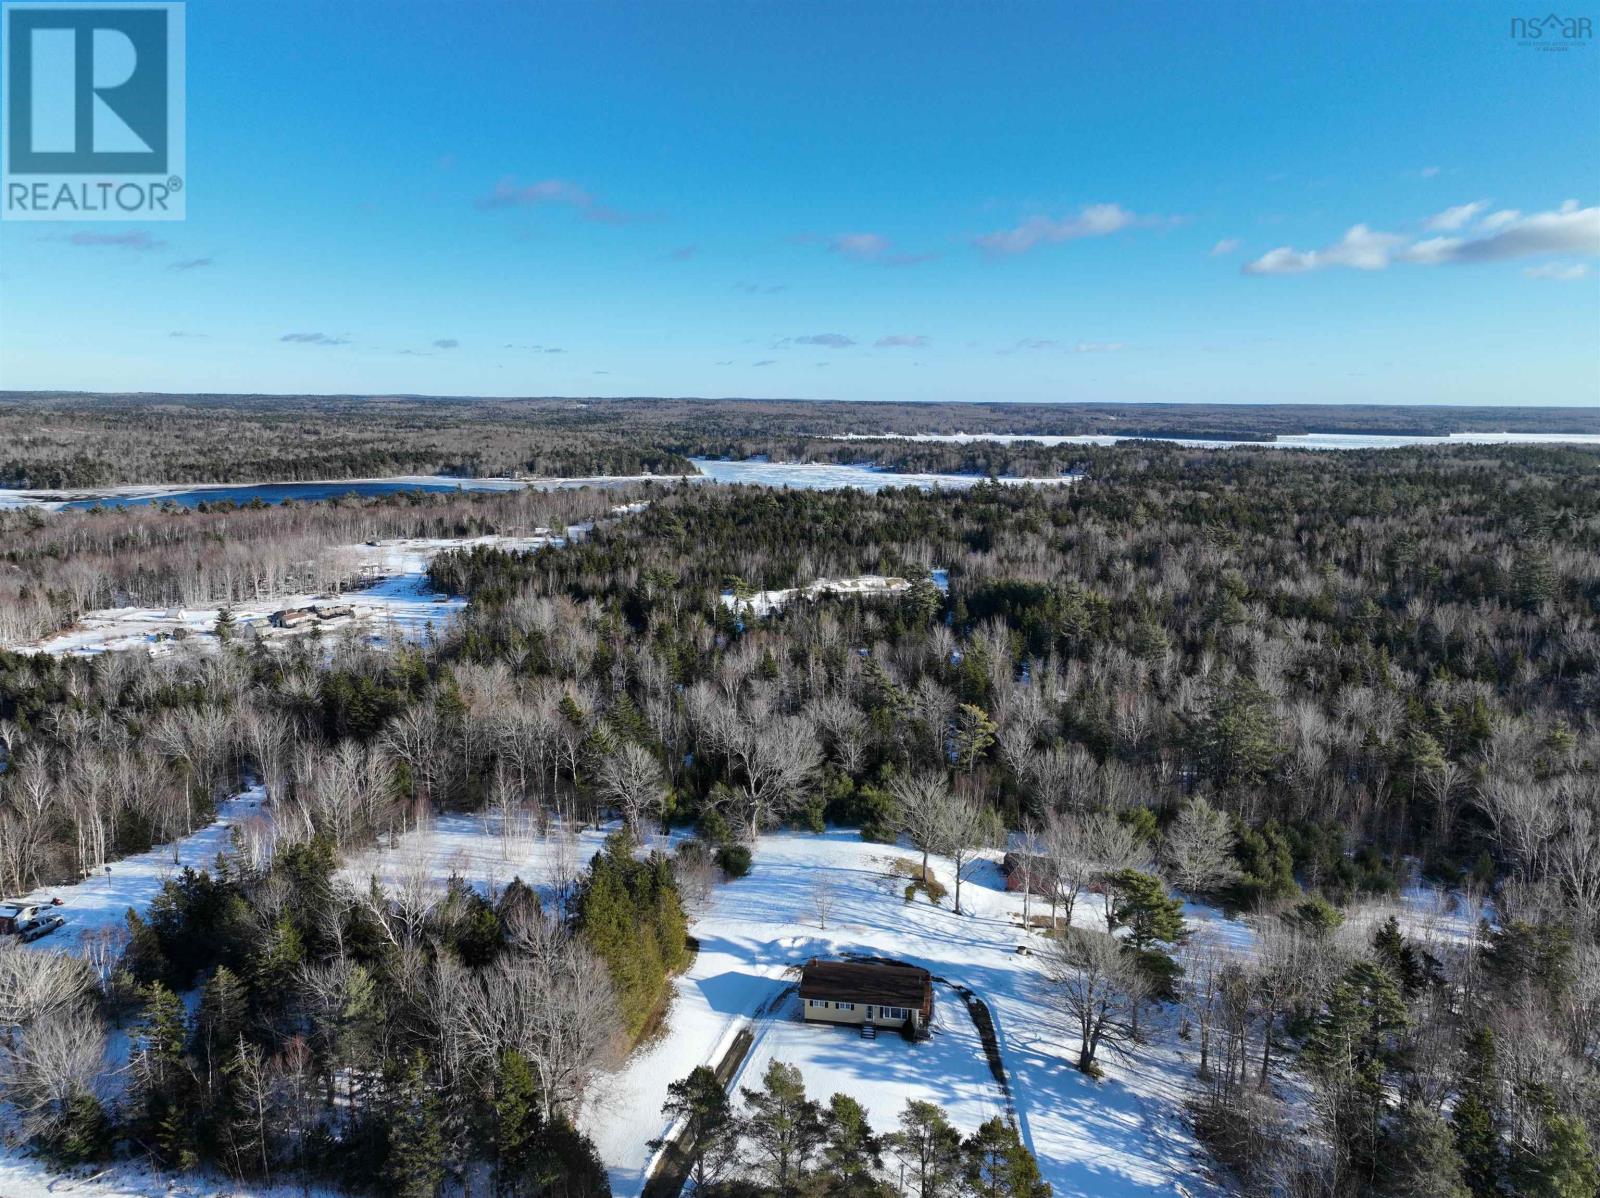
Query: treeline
{"points": [[70, 440], [785, 1144]]}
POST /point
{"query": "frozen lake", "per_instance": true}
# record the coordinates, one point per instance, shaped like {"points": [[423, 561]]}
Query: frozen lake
{"points": [[829, 476], [1296, 441]]}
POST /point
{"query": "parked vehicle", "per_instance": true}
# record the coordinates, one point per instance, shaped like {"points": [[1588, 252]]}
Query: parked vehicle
{"points": [[30, 920], [41, 927]]}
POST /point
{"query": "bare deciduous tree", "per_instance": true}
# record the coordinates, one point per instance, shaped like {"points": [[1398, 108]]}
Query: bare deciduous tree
{"points": [[632, 780], [1197, 850], [1096, 987]]}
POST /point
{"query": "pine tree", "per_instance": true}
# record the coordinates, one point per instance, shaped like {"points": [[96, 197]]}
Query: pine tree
{"points": [[517, 1122], [1475, 1119], [1422, 1157], [415, 1164], [783, 1127], [163, 1089], [1561, 1164], [996, 1164], [851, 1153], [930, 1148], [224, 1006], [710, 1133]]}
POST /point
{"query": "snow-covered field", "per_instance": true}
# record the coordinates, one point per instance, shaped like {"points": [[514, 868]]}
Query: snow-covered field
{"points": [[483, 851], [1123, 1136], [398, 604], [764, 603]]}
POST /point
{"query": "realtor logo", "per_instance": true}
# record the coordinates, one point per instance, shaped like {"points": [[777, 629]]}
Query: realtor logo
{"points": [[93, 121]]}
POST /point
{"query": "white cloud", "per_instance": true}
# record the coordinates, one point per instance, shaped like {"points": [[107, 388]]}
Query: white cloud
{"points": [[1555, 270], [1228, 245], [1095, 220], [1098, 347], [1568, 229], [901, 341], [1458, 217], [1360, 249]]}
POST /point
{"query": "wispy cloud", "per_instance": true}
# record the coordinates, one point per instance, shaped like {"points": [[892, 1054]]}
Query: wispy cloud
{"points": [[446, 343], [1458, 217], [766, 362], [508, 193], [864, 247], [759, 288], [901, 341], [872, 248], [314, 339], [133, 239], [1568, 229], [684, 252], [190, 264], [831, 340], [1228, 245], [1555, 270], [1093, 220]]}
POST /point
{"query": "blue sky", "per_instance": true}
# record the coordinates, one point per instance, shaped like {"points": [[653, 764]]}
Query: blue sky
{"points": [[995, 201]]}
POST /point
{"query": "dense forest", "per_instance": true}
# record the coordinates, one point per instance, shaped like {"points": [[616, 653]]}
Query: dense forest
{"points": [[1280, 683], [70, 440]]}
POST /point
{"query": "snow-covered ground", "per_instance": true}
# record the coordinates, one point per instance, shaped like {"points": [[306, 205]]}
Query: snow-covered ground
{"points": [[830, 476], [764, 603], [482, 850], [397, 604], [95, 907], [1123, 1136], [22, 1177]]}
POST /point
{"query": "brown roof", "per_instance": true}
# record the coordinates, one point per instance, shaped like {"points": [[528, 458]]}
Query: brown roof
{"points": [[888, 984]]}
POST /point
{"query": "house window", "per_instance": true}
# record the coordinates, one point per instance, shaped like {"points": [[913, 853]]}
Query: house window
{"points": [[845, 1006], [892, 1012]]}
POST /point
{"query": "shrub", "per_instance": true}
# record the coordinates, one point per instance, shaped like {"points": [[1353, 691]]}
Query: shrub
{"points": [[734, 860], [902, 867]]}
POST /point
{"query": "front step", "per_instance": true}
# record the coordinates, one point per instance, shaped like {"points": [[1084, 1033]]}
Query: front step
{"points": [[869, 1031]]}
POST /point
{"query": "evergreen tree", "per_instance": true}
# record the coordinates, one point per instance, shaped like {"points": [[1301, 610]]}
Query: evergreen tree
{"points": [[163, 1082], [783, 1127], [1476, 1117], [1237, 740], [1143, 907], [1561, 1164], [710, 1135], [517, 1123], [1422, 1157], [415, 1164], [851, 1153], [930, 1148], [996, 1164]]}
